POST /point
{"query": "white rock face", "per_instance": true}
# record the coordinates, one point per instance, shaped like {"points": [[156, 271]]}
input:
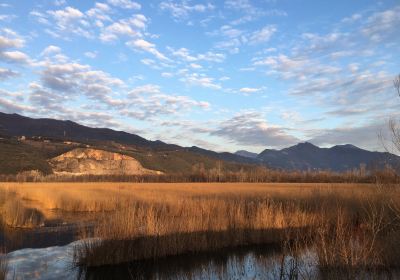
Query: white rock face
{"points": [[83, 161]]}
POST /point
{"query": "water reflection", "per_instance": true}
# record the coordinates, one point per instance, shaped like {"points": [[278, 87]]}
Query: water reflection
{"points": [[250, 262]]}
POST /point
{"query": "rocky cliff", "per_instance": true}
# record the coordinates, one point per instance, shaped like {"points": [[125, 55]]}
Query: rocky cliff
{"points": [[83, 161]]}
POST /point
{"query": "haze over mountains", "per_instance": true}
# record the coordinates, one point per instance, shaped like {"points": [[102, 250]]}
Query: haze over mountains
{"points": [[303, 156]]}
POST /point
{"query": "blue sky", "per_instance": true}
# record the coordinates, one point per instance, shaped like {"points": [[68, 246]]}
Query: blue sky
{"points": [[224, 75]]}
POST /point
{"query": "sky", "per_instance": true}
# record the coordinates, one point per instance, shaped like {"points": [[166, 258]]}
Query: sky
{"points": [[222, 75]]}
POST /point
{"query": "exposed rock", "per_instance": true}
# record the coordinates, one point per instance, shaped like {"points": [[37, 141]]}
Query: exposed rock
{"points": [[83, 161]]}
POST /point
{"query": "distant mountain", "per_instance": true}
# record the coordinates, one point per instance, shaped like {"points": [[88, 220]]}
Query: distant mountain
{"points": [[224, 156], [158, 155], [247, 154], [17, 125], [306, 156]]}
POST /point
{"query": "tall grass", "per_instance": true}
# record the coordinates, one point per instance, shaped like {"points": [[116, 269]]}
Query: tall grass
{"points": [[15, 214], [350, 227]]}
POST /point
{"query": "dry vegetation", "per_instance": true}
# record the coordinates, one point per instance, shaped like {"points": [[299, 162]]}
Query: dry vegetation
{"points": [[351, 227], [3, 266]]}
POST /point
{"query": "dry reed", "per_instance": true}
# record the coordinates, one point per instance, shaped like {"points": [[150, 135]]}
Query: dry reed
{"points": [[350, 227]]}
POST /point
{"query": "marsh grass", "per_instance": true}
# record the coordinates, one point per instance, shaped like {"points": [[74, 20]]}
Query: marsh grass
{"points": [[349, 227], [15, 214]]}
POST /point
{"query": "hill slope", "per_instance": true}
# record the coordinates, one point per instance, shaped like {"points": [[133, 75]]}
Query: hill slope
{"points": [[17, 125]]}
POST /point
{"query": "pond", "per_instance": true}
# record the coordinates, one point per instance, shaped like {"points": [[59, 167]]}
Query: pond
{"points": [[247, 262]]}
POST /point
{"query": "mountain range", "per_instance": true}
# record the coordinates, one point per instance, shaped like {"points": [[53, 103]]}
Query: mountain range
{"points": [[172, 158]]}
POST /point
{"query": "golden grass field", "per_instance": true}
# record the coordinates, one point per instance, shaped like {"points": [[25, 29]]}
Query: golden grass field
{"points": [[349, 225]]}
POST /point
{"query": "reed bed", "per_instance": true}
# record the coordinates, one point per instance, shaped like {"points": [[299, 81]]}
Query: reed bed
{"points": [[349, 227]]}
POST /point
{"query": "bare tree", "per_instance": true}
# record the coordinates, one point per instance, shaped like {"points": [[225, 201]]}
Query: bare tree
{"points": [[396, 84], [394, 125]]}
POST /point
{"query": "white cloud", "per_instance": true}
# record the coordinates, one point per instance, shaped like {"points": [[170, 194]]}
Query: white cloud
{"points": [[100, 13], [9, 40], [60, 2], [125, 4], [363, 135], [182, 10], [131, 27], [383, 25], [195, 66], [199, 80], [71, 20], [250, 128], [185, 55], [249, 90], [6, 43], [145, 89], [262, 35], [7, 73], [91, 54], [14, 57], [7, 17], [167, 74], [148, 101], [50, 50], [146, 46]]}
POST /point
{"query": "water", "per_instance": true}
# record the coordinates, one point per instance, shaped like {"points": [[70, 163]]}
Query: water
{"points": [[263, 262], [255, 262]]}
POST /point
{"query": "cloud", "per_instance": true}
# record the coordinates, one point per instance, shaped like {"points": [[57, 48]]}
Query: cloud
{"points": [[60, 2], [125, 4], [146, 46], [263, 35], [11, 102], [6, 43], [250, 128], [185, 55], [7, 74], [148, 101], [233, 38], [249, 90], [381, 25], [99, 13], [199, 80], [9, 40], [195, 66], [14, 57], [249, 12], [60, 81], [70, 20], [10, 106], [299, 68], [7, 18], [145, 89], [366, 136], [182, 10], [50, 50], [91, 54], [131, 27]]}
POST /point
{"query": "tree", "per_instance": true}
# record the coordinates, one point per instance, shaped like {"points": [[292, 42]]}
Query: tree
{"points": [[396, 84], [393, 124]]}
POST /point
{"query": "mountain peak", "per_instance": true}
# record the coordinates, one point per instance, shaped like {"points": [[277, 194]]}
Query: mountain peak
{"points": [[303, 146], [347, 146]]}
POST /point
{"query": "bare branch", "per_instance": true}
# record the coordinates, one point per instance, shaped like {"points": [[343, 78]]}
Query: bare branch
{"points": [[396, 84]]}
